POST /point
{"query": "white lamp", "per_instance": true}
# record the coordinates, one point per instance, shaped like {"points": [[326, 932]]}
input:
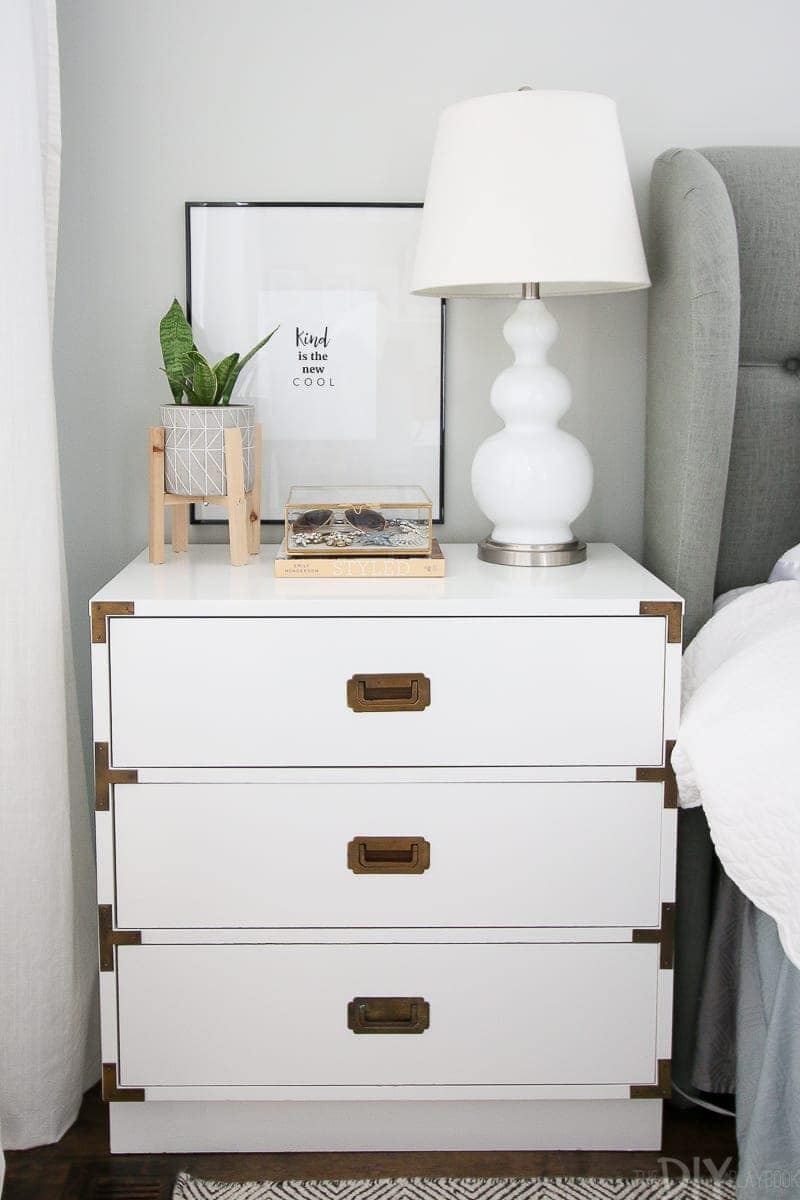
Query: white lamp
{"points": [[529, 195]]}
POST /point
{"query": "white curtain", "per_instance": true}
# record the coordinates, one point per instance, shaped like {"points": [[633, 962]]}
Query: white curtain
{"points": [[48, 1047]]}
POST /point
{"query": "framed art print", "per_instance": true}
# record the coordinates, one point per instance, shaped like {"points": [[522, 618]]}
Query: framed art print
{"points": [[350, 390]]}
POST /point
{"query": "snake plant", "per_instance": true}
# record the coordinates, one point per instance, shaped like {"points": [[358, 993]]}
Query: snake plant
{"points": [[188, 372]]}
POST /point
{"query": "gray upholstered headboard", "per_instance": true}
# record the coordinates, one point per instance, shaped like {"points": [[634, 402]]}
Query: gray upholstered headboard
{"points": [[722, 498]]}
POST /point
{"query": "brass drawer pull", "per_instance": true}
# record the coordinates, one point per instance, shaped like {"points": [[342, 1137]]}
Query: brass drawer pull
{"points": [[388, 693], [388, 855], [388, 1014]]}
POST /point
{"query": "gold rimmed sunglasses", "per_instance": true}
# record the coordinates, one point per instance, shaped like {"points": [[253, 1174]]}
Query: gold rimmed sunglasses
{"points": [[365, 520]]}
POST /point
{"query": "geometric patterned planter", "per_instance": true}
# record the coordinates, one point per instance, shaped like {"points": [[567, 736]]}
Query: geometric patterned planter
{"points": [[194, 447]]}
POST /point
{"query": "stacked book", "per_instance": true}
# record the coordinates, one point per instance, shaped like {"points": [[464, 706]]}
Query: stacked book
{"points": [[361, 566]]}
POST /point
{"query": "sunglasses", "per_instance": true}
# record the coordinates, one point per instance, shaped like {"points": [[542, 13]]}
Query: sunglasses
{"points": [[365, 520]]}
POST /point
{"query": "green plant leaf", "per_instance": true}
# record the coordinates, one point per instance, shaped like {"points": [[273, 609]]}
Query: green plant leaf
{"points": [[177, 391], [201, 382], [175, 334], [235, 370], [222, 370]]}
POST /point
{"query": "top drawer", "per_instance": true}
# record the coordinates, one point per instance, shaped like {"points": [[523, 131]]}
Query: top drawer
{"points": [[503, 691]]}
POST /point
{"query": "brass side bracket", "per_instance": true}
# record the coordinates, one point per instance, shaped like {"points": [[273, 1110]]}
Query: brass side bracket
{"points": [[109, 937], [671, 609], [664, 775], [665, 936], [662, 1090], [110, 1089], [100, 609], [104, 776]]}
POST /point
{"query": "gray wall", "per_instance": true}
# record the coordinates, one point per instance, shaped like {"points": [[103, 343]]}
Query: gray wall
{"points": [[169, 100]]}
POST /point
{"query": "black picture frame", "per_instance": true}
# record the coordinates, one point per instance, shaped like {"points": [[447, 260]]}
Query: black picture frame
{"points": [[192, 205]]}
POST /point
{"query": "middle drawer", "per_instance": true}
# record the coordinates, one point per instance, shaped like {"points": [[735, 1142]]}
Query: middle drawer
{"points": [[364, 855]]}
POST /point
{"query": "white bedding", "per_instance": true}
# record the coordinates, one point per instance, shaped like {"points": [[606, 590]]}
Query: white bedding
{"points": [[737, 751]]}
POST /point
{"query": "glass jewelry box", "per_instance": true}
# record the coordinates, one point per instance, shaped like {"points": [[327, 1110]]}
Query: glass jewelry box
{"points": [[362, 519]]}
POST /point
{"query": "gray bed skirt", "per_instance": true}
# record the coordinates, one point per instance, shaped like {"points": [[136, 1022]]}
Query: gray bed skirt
{"points": [[701, 1060], [737, 1015], [767, 1063]]}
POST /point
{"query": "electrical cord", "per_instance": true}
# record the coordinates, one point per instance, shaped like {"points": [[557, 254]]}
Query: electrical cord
{"points": [[715, 1108]]}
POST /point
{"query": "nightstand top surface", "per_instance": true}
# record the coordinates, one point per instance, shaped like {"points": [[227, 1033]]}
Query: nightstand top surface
{"points": [[203, 582]]}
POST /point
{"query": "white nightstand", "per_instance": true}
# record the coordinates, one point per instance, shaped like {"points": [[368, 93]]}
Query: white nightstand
{"points": [[385, 864]]}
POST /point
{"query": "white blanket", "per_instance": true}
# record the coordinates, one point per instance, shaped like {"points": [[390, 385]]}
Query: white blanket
{"points": [[737, 749]]}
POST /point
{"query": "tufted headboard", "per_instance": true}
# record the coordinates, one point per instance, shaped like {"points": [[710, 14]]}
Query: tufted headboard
{"points": [[722, 494]]}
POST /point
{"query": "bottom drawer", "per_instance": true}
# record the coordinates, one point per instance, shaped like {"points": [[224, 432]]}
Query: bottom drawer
{"points": [[498, 1014]]}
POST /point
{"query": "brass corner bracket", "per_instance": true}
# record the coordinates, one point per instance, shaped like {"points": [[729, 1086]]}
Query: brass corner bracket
{"points": [[664, 775], [110, 1089], [109, 937], [671, 609], [662, 1090], [100, 609], [104, 776], [665, 936]]}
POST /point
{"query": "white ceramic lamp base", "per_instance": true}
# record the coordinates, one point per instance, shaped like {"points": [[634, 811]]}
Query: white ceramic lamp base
{"points": [[531, 479]]}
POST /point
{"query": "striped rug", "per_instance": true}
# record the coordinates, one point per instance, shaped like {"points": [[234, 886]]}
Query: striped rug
{"points": [[188, 1188]]}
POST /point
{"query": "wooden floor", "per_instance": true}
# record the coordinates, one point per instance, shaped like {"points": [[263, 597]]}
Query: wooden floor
{"points": [[80, 1167]]}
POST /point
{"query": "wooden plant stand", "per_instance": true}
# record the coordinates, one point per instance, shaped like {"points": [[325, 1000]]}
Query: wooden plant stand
{"points": [[244, 508]]}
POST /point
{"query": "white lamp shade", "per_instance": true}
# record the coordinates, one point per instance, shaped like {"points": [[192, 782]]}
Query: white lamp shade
{"points": [[529, 187]]}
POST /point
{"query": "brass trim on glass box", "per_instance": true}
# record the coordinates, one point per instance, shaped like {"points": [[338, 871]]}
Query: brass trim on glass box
{"points": [[664, 775], [388, 855], [100, 609], [104, 776], [662, 1090], [665, 936], [388, 693], [109, 937], [388, 1014], [110, 1089], [671, 609]]}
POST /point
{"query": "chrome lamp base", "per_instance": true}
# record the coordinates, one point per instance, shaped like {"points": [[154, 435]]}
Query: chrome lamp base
{"points": [[512, 554]]}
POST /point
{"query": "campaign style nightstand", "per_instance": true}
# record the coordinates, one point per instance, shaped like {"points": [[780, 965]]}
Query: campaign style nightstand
{"points": [[385, 864]]}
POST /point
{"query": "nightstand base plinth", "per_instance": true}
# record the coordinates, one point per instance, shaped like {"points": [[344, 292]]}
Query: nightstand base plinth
{"points": [[342, 1126]]}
